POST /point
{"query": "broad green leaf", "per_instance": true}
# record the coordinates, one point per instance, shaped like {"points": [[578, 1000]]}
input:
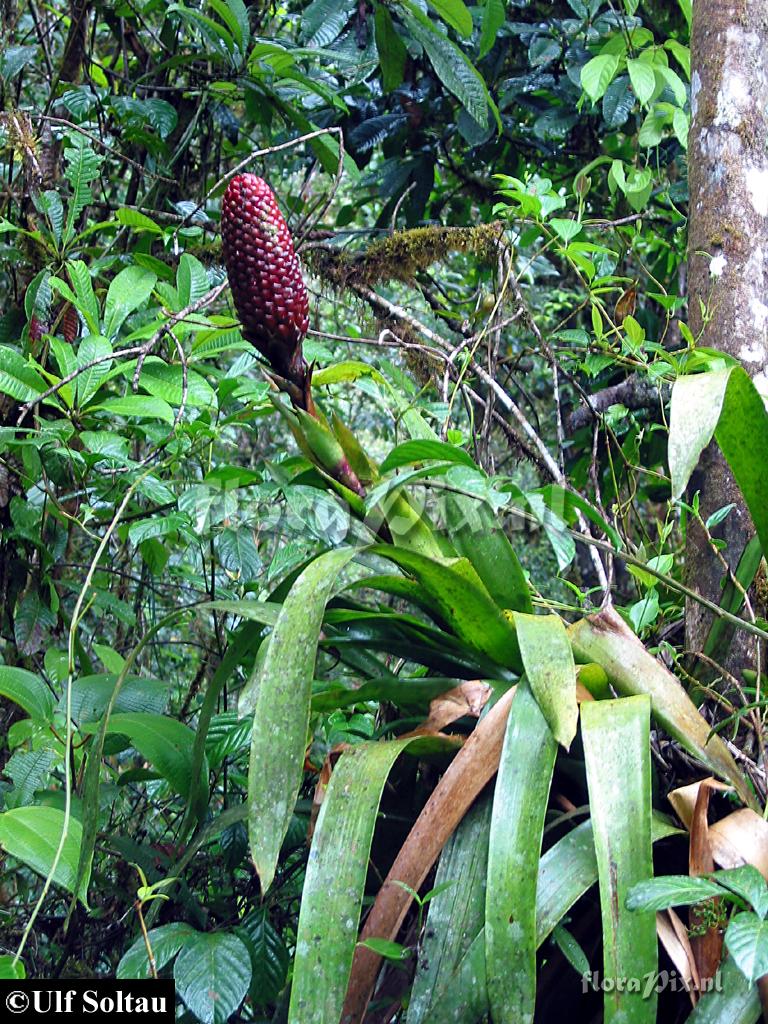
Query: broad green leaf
{"points": [[32, 835], [597, 74], [391, 49], [91, 695], [493, 19], [140, 406], [28, 691], [733, 1001], [166, 941], [747, 940], [455, 14], [456, 914], [191, 280], [549, 667], [747, 882], [49, 203], [11, 969], [211, 30], [464, 603], [127, 291], [17, 378], [675, 83], [86, 301], [82, 166], [682, 54], [642, 78], [28, 770], [616, 738], [519, 806], [212, 974], [411, 452], [671, 891], [727, 404], [12, 60], [281, 718], [607, 640], [167, 744], [455, 71], [270, 959], [566, 229], [88, 382], [32, 623], [335, 880], [166, 382], [235, 16], [137, 220], [348, 369]]}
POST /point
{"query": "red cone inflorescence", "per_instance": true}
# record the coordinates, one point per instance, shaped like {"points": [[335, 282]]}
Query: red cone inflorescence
{"points": [[265, 275]]}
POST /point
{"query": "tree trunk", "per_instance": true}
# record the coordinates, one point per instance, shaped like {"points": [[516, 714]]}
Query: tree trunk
{"points": [[727, 258]]}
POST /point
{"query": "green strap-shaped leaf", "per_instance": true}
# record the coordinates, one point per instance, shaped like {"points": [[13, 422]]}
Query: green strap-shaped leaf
{"points": [[464, 602], [333, 888], [475, 534], [82, 167], [281, 719], [456, 913], [727, 404], [607, 640], [519, 806], [464, 1000], [548, 660], [566, 871], [616, 737], [721, 632]]}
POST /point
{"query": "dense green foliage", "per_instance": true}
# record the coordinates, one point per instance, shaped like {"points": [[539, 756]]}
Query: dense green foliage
{"points": [[197, 617]]}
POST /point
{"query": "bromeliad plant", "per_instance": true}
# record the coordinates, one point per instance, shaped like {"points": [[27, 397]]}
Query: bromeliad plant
{"points": [[422, 600], [472, 617]]}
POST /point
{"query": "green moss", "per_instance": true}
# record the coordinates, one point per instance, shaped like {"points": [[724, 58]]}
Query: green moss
{"points": [[402, 255]]}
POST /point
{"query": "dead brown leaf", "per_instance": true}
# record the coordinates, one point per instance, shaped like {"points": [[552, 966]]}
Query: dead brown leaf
{"points": [[474, 765]]}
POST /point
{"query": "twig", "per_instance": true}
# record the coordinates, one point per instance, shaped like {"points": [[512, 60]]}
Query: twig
{"points": [[254, 156], [174, 318], [116, 153]]}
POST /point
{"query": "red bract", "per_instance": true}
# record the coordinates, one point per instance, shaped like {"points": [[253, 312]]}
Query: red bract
{"points": [[70, 325], [265, 274]]}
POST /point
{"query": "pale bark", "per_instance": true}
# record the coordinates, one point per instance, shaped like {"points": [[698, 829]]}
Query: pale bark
{"points": [[727, 255]]}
